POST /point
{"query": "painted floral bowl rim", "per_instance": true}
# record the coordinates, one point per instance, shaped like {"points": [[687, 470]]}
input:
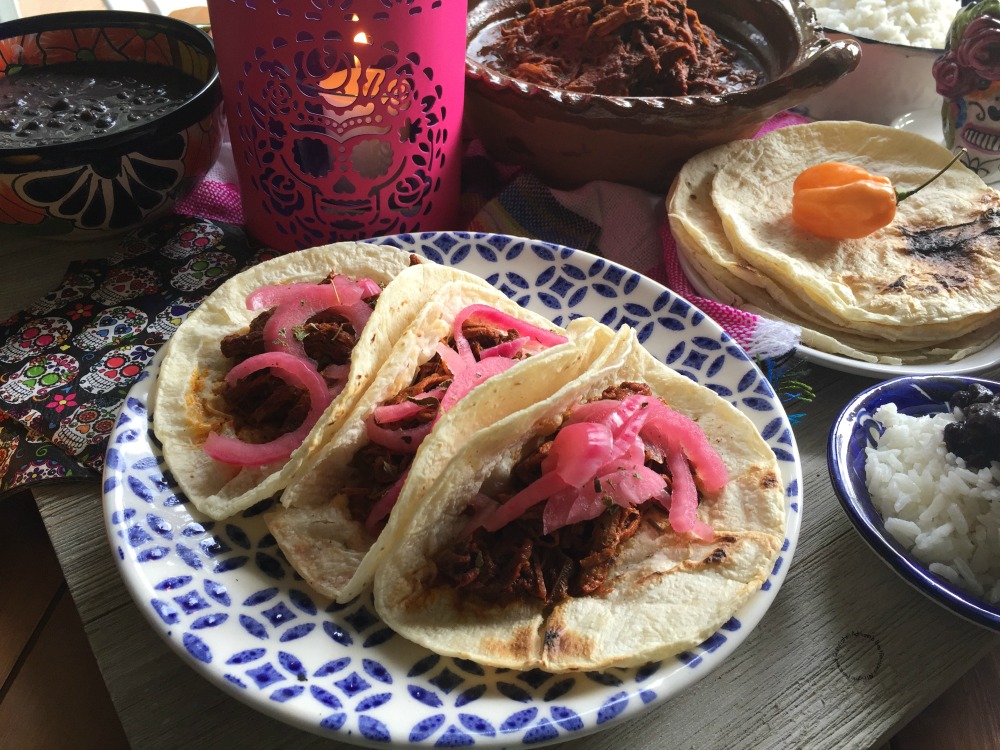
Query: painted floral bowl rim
{"points": [[194, 109]]}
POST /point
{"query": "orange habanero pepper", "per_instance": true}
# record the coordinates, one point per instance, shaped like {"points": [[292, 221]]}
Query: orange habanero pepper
{"points": [[844, 201]]}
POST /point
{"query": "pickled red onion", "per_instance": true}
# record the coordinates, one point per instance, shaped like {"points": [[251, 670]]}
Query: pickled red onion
{"points": [[579, 485], [454, 361], [506, 349], [471, 376], [624, 486], [336, 378], [666, 426], [684, 499], [502, 320], [539, 490], [405, 440], [343, 291], [383, 507], [578, 451], [295, 303], [388, 413], [296, 373]]}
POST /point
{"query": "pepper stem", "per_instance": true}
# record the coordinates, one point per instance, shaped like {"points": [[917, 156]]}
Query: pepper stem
{"points": [[904, 194]]}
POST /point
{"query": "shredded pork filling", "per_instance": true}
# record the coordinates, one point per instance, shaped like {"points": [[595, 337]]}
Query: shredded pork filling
{"points": [[520, 560], [381, 466], [619, 48], [263, 406]]}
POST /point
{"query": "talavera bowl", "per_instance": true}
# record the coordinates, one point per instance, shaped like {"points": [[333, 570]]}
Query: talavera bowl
{"points": [[569, 138], [117, 180]]}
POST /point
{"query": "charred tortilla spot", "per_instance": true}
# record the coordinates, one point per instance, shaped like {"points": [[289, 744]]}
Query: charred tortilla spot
{"points": [[718, 555], [769, 481], [899, 284], [521, 644], [560, 643]]}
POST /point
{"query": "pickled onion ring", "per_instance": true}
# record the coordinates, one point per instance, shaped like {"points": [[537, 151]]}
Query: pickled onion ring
{"points": [[502, 320], [684, 499], [295, 303], [383, 507], [398, 440], [295, 372], [471, 376]]}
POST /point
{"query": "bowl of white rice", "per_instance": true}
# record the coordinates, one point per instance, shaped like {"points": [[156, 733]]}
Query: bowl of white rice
{"points": [[932, 515], [900, 40]]}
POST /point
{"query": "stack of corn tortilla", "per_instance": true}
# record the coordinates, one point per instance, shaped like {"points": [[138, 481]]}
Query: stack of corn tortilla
{"points": [[925, 288]]}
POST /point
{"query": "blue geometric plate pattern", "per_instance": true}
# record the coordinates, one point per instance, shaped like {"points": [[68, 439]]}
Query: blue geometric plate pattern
{"points": [[222, 595]]}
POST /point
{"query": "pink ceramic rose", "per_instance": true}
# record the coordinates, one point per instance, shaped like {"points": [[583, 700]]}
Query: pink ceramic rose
{"points": [[979, 49]]}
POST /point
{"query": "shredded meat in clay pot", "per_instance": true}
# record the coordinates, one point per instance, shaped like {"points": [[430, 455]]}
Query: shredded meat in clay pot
{"points": [[619, 48]]}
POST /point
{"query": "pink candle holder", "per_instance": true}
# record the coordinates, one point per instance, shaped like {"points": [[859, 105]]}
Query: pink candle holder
{"points": [[344, 115]]}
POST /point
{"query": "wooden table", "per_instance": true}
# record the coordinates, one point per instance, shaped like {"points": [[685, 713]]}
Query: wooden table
{"points": [[846, 656]]}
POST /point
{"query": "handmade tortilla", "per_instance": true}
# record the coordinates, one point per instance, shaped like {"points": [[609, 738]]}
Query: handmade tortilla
{"points": [[882, 279], [703, 246], [334, 552], [186, 401], [668, 592]]}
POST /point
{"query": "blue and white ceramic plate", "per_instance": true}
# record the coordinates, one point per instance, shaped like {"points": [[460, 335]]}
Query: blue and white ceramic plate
{"points": [[852, 432], [224, 598]]}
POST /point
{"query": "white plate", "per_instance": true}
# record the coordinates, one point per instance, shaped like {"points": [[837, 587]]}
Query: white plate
{"points": [[925, 122], [979, 361], [224, 598]]}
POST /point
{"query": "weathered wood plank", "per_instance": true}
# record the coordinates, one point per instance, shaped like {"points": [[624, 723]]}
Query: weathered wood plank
{"points": [[30, 578]]}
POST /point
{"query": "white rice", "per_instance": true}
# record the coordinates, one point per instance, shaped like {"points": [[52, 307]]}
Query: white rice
{"points": [[917, 23], [946, 515]]}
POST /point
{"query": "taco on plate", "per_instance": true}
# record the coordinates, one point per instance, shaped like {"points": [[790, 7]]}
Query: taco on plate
{"points": [[471, 347], [621, 520], [269, 364]]}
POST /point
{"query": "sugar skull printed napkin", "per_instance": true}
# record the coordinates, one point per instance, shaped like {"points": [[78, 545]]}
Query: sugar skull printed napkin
{"points": [[68, 361]]}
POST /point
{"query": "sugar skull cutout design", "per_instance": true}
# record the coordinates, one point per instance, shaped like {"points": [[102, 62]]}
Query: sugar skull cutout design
{"points": [[193, 239], [118, 368], [85, 427], [123, 284], [203, 271], [968, 77], [114, 326], [345, 130], [34, 337], [39, 376]]}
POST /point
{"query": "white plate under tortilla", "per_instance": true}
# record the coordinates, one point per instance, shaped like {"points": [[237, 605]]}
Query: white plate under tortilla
{"points": [[224, 598], [925, 122], [984, 359]]}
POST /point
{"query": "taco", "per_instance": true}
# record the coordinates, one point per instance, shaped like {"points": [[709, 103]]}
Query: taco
{"points": [[619, 521], [472, 347], [269, 364]]}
